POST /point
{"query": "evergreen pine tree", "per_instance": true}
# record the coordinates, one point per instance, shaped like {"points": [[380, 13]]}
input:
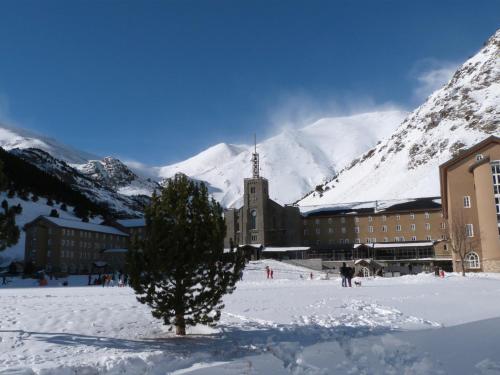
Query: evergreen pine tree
{"points": [[54, 213], [181, 269], [9, 231]]}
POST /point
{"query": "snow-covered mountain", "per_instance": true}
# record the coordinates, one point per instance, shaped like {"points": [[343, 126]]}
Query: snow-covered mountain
{"points": [[115, 175], [295, 160], [463, 112], [11, 138], [100, 193], [114, 181]]}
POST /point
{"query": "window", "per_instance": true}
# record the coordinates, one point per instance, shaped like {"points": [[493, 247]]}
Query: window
{"points": [[343, 230], [252, 190], [466, 201], [253, 219], [318, 242], [479, 157], [495, 171], [398, 217], [386, 239], [316, 221], [330, 230], [374, 240], [413, 238], [472, 260], [330, 220], [306, 232], [341, 241], [346, 241], [370, 218], [356, 229], [357, 240], [427, 226], [318, 231], [426, 215], [413, 227], [370, 229], [396, 239], [342, 219], [444, 237], [356, 219], [469, 230], [398, 228], [254, 237], [384, 218], [384, 228], [429, 238], [368, 240], [402, 239], [443, 225], [412, 216]]}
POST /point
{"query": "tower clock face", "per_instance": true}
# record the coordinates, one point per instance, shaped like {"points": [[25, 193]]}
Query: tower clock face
{"points": [[254, 213]]}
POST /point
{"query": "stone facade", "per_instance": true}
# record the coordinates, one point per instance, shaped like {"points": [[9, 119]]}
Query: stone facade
{"points": [[261, 220]]}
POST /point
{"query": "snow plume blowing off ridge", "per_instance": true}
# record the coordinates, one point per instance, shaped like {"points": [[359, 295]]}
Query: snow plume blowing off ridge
{"points": [[460, 114], [294, 160]]}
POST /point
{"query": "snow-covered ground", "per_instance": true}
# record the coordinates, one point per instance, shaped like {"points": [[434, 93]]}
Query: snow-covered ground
{"points": [[408, 325]]}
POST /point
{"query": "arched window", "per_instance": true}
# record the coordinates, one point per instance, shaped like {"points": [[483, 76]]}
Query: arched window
{"points": [[472, 260], [253, 219]]}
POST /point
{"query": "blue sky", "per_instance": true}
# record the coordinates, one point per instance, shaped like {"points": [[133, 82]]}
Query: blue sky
{"points": [[157, 81]]}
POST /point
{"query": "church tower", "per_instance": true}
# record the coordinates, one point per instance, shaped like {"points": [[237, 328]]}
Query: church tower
{"points": [[255, 204]]}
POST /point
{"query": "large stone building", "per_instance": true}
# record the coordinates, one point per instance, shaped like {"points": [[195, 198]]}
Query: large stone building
{"points": [[470, 188], [397, 237], [63, 245], [261, 222]]}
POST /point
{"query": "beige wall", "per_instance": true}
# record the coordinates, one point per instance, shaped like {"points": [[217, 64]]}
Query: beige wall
{"points": [[476, 182], [331, 232]]}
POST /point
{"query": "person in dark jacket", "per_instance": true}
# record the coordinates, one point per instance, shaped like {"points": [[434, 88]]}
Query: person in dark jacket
{"points": [[343, 273], [350, 274]]}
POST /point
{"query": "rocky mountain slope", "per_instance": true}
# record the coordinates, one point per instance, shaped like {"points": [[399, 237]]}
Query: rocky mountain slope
{"points": [[463, 112], [295, 160]]}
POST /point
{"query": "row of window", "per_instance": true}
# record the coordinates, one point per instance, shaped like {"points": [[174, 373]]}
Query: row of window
{"points": [[345, 241], [81, 255], [370, 218], [371, 229], [87, 245], [84, 234]]}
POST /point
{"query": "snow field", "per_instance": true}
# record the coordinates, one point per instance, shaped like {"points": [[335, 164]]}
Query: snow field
{"points": [[408, 325]]}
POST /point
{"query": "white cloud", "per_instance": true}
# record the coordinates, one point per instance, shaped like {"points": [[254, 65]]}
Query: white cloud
{"points": [[431, 75]]}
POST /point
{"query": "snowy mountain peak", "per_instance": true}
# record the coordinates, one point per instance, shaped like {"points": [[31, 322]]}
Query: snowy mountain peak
{"points": [[295, 160], [460, 114]]}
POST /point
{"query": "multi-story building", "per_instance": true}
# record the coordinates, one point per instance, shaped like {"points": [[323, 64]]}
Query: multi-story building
{"points": [[64, 245], [470, 188], [401, 236]]}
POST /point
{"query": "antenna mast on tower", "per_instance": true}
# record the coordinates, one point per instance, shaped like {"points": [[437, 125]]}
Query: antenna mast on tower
{"points": [[255, 159]]}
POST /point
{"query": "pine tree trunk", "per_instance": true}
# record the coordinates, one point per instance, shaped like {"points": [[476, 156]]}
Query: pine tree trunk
{"points": [[180, 325]]}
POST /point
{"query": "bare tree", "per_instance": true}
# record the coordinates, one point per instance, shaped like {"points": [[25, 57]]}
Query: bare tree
{"points": [[459, 239]]}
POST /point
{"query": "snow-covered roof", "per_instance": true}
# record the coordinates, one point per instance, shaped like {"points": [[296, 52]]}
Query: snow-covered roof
{"points": [[255, 245], [113, 251], [132, 223], [352, 208], [285, 249], [78, 224], [402, 244]]}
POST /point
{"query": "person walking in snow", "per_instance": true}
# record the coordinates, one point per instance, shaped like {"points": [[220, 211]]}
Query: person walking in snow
{"points": [[268, 272], [350, 274], [272, 273], [343, 274]]}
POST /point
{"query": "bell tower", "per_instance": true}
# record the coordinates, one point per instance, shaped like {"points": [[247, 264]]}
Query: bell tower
{"points": [[255, 200]]}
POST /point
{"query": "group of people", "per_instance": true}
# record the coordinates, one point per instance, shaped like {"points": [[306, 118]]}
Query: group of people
{"points": [[109, 279], [347, 273]]}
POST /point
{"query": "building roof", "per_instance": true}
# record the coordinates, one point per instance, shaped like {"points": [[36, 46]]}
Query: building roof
{"points": [[78, 224], [387, 245], [285, 249], [115, 251], [443, 168], [132, 223], [373, 207]]}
